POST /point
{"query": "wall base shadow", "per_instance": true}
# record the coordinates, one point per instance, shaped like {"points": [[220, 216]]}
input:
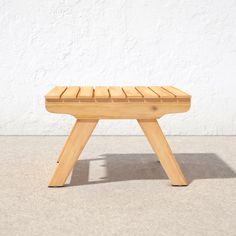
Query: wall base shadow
{"points": [[125, 167]]}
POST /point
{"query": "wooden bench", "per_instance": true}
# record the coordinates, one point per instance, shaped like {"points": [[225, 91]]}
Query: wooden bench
{"points": [[88, 105]]}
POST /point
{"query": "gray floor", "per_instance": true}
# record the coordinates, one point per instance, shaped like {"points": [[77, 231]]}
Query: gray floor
{"points": [[118, 188]]}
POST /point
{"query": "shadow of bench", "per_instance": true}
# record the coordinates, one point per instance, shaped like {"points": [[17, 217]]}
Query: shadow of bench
{"points": [[136, 166]]}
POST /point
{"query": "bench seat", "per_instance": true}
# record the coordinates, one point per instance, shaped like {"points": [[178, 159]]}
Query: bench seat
{"points": [[138, 102]]}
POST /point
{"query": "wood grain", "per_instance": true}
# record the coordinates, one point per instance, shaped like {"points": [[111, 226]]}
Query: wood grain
{"points": [[179, 94], [117, 94], [70, 94], [163, 93], [132, 94], [159, 144], [55, 93], [117, 110], [85, 94], [70, 154], [101, 94], [148, 94]]}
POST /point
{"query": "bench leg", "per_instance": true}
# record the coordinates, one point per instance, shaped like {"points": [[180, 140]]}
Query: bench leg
{"points": [[67, 143], [160, 145], [74, 145]]}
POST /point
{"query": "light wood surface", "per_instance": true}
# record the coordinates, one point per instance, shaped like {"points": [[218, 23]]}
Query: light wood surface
{"points": [[148, 94], [67, 143], [117, 94], [159, 144], [177, 92], [55, 93], [85, 94], [101, 94], [163, 93], [117, 110], [70, 154], [70, 94], [132, 94]]}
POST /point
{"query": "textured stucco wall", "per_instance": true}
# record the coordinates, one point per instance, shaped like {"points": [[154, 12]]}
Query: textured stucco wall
{"points": [[190, 44]]}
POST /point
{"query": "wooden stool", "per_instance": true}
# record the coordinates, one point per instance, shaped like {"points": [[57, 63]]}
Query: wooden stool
{"points": [[88, 105]]}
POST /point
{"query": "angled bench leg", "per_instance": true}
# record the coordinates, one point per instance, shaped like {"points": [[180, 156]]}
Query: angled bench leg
{"points": [[67, 143], [159, 144], [74, 145]]}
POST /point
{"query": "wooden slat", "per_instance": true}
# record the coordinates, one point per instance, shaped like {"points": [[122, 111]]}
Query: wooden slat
{"points": [[148, 94], [177, 92], [132, 94], [55, 93], [85, 94], [117, 94], [70, 94], [164, 94], [179, 95], [101, 94]]}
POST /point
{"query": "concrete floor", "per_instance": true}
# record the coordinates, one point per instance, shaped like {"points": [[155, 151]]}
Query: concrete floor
{"points": [[118, 188]]}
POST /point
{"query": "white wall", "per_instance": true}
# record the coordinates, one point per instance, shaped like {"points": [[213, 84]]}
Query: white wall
{"points": [[190, 44]]}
